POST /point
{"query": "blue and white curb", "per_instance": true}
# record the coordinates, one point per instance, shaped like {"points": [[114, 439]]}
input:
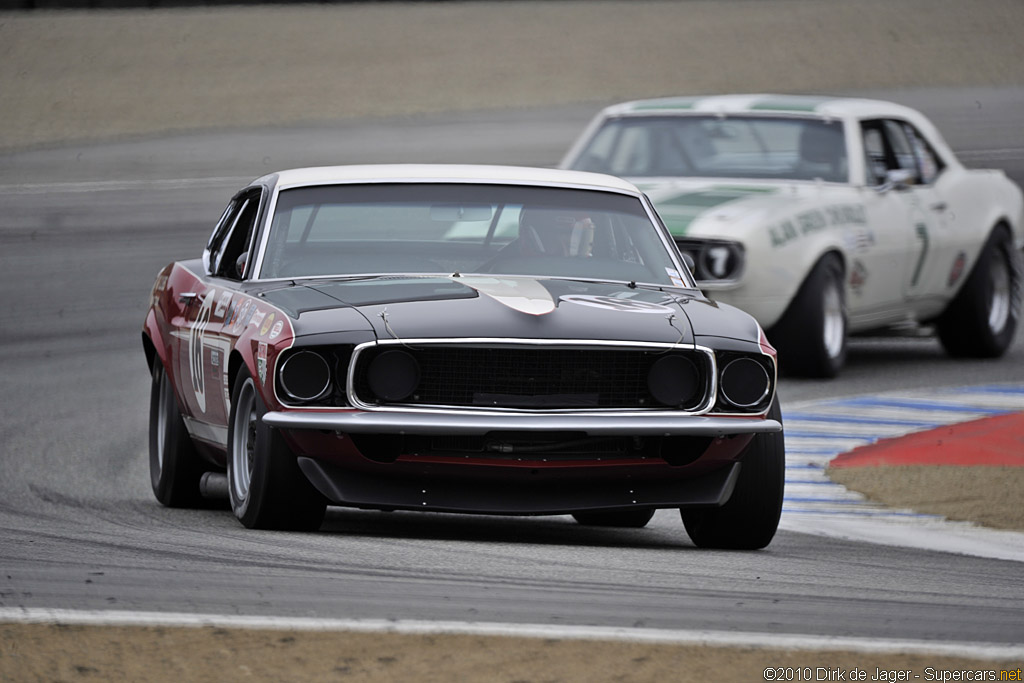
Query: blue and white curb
{"points": [[818, 431]]}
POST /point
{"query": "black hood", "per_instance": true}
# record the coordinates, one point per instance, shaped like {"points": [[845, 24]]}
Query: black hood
{"points": [[493, 307]]}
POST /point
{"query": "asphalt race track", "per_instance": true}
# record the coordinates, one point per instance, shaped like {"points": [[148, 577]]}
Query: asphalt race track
{"points": [[83, 231]]}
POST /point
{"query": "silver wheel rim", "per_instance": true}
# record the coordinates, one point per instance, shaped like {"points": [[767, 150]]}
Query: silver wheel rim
{"points": [[833, 326], [243, 440], [164, 397], [999, 303]]}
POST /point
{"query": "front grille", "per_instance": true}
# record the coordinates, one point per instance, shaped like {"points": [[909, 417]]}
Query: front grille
{"points": [[532, 376]]}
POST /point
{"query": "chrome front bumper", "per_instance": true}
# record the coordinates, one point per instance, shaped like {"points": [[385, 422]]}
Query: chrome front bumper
{"points": [[591, 424]]}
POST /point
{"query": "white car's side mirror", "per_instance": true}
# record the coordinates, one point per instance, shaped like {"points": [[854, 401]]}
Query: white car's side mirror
{"points": [[897, 179]]}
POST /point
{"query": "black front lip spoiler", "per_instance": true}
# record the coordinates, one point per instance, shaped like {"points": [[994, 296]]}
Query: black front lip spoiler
{"points": [[504, 497], [593, 424]]}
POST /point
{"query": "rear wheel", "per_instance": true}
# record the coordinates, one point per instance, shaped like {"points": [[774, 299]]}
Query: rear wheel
{"points": [[811, 335], [982, 320], [631, 518], [175, 467], [750, 518], [266, 487]]}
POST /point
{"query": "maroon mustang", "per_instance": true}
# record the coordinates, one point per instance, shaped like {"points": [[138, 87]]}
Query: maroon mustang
{"points": [[477, 339]]}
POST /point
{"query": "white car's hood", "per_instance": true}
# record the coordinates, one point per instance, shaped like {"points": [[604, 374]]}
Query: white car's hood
{"points": [[730, 209]]}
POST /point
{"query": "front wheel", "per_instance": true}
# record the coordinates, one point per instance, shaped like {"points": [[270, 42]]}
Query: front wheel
{"points": [[982, 320], [630, 518], [750, 518], [811, 335], [175, 466], [266, 487]]}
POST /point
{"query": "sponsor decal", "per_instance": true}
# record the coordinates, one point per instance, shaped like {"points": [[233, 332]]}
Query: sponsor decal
{"points": [[275, 331], [815, 220], [674, 276], [257, 317], [231, 315], [616, 304], [266, 325], [195, 350], [858, 276], [242, 318], [957, 271], [261, 362], [222, 305]]}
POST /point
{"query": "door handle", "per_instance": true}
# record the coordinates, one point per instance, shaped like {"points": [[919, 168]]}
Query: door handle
{"points": [[187, 298], [939, 207]]}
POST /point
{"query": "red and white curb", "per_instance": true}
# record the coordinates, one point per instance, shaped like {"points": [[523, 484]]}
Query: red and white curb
{"points": [[818, 431]]}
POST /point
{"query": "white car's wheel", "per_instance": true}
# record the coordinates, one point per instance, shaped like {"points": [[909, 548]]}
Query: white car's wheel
{"points": [[811, 335], [982, 320], [175, 466], [266, 487], [750, 518], [631, 518]]}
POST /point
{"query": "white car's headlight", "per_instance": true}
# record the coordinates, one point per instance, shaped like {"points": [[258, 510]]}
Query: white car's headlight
{"points": [[714, 260]]}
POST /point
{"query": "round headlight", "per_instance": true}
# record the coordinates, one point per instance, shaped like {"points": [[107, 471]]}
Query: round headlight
{"points": [[745, 382], [673, 380], [721, 261], [305, 376], [393, 375]]}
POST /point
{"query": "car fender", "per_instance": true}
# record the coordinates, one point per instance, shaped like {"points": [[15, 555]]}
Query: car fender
{"points": [[788, 243], [155, 337], [979, 201]]}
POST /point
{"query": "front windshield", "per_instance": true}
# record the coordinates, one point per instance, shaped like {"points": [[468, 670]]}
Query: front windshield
{"points": [[769, 147], [446, 228]]}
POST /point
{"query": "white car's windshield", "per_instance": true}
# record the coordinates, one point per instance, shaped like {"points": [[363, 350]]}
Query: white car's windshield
{"points": [[337, 230], [769, 147]]}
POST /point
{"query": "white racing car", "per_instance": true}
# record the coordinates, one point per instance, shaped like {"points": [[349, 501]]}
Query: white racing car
{"points": [[824, 216]]}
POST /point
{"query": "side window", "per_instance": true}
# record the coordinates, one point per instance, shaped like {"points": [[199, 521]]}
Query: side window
{"points": [[230, 247], [220, 233], [902, 148], [928, 162], [876, 157]]}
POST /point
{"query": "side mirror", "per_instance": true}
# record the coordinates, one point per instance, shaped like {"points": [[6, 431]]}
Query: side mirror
{"points": [[688, 260], [898, 179], [240, 262]]}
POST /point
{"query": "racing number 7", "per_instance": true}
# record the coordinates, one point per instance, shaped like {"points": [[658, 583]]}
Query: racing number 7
{"points": [[921, 230]]}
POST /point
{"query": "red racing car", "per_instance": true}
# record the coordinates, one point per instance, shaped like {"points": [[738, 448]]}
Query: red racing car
{"points": [[474, 339]]}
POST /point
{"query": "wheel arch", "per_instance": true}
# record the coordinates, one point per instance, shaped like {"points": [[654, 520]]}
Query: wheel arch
{"points": [[235, 362], [153, 343], [1001, 224], [808, 271]]}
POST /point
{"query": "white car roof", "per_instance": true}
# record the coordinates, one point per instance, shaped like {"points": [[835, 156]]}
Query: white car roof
{"points": [[764, 103], [454, 173]]}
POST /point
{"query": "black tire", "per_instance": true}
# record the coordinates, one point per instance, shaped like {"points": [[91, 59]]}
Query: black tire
{"points": [[629, 518], [265, 485], [811, 335], [981, 320], [175, 467], [750, 518]]}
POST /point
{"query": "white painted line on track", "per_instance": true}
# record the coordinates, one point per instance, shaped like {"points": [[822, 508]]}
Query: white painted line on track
{"points": [[804, 642], [818, 431]]}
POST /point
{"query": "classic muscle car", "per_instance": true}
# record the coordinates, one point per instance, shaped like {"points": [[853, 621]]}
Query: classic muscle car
{"points": [[367, 336], [824, 217]]}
